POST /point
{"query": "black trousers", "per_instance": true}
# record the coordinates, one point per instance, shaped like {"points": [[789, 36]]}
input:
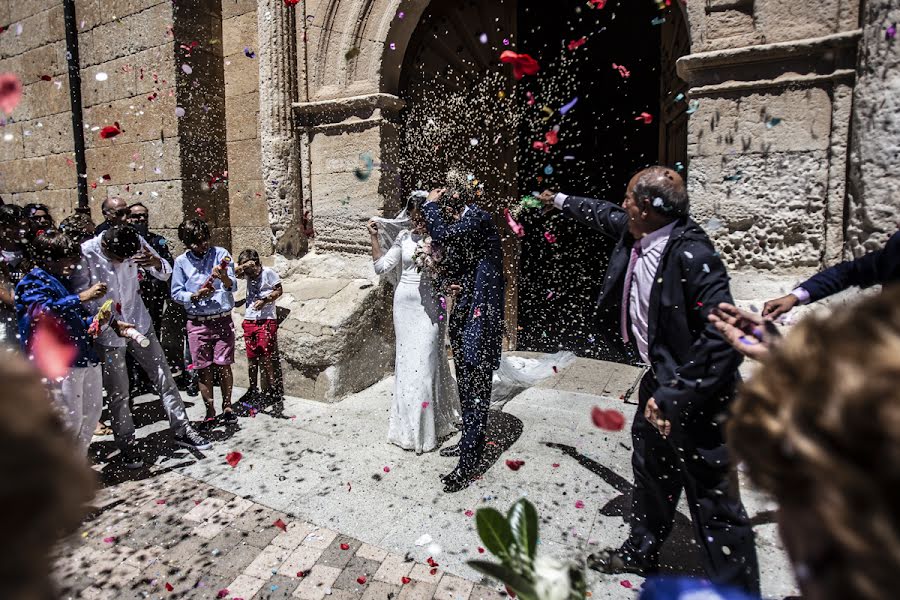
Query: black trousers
{"points": [[694, 459], [474, 384]]}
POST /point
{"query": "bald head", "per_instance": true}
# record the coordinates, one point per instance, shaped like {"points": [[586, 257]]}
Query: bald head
{"points": [[664, 190], [115, 210]]}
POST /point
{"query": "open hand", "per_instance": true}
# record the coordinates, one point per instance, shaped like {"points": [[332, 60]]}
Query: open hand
{"points": [[779, 306], [204, 292], [655, 417], [372, 227], [259, 304], [747, 332]]}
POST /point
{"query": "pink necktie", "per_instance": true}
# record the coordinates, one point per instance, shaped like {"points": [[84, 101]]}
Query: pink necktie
{"points": [[626, 293]]}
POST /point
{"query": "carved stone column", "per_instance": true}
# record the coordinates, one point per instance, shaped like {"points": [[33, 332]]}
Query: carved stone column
{"points": [[278, 137]]}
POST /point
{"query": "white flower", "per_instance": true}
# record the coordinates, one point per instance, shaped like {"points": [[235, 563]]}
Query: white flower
{"points": [[551, 579]]}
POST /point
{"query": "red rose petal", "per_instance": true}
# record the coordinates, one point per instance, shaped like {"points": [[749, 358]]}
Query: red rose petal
{"points": [[345, 546], [50, 346], [291, 2], [280, 525], [625, 583], [361, 580], [160, 501], [579, 504], [387, 469], [405, 580], [433, 571], [431, 562], [522, 64], [551, 239], [233, 458], [647, 118], [469, 513], [110, 131], [110, 540], [514, 465], [555, 465], [169, 587], [576, 44], [46, 78], [610, 420], [222, 593], [480, 550]]}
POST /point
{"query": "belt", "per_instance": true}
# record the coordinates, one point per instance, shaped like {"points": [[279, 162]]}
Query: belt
{"points": [[202, 318]]}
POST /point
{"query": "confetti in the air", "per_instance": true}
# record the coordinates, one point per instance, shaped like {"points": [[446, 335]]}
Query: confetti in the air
{"points": [[610, 420], [522, 64], [10, 92]]}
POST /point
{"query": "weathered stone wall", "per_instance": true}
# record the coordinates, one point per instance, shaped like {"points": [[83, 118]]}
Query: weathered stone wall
{"points": [[166, 161], [35, 144], [246, 195], [874, 198]]}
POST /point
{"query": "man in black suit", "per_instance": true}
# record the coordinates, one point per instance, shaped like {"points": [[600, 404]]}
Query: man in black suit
{"points": [[470, 237], [664, 277], [878, 267]]}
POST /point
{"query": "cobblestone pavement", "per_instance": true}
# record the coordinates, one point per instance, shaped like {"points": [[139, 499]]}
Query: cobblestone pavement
{"points": [[171, 536]]}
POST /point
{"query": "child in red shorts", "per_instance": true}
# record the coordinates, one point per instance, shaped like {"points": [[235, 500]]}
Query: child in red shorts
{"points": [[260, 323]]}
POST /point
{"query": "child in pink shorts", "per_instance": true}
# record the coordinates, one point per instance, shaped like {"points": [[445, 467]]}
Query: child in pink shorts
{"points": [[203, 282], [260, 324]]}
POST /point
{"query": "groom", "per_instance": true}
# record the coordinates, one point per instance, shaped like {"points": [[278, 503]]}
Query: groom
{"points": [[476, 323]]}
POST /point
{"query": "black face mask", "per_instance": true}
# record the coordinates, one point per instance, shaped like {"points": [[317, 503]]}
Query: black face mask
{"points": [[141, 229]]}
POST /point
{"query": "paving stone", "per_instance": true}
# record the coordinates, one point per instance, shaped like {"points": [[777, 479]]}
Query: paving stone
{"points": [[239, 558], [301, 559], [227, 539], [206, 509], [372, 552], [315, 585], [266, 562], [294, 534], [422, 572], [417, 590], [393, 569], [261, 537], [481, 592], [379, 590], [283, 588], [335, 556], [208, 530], [356, 568], [237, 506], [256, 518], [320, 538], [244, 586], [453, 588]]}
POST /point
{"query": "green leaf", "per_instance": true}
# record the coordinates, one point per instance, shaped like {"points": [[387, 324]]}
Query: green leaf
{"points": [[494, 531], [516, 582], [523, 520]]}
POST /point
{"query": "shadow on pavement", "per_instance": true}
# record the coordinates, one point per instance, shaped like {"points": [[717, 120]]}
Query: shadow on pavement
{"points": [[679, 554]]}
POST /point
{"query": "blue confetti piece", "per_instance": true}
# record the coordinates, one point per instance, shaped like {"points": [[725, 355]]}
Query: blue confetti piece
{"points": [[773, 122], [693, 107], [658, 21], [679, 97], [548, 170], [569, 106]]}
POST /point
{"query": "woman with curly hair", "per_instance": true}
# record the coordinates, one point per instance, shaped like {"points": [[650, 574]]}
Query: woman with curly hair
{"points": [[818, 427]]}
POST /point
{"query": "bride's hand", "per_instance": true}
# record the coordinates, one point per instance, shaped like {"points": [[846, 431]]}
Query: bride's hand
{"points": [[433, 195], [372, 226]]}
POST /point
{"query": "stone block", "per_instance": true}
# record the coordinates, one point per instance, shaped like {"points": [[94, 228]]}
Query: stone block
{"points": [[317, 584], [139, 120], [242, 116], [244, 160], [129, 35], [162, 198], [60, 171], [758, 224], [22, 175], [39, 29], [11, 143], [258, 238], [88, 14], [241, 74], [137, 74], [19, 10], [113, 10], [800, 19], [245, 586], [233, 8], [47, 135], [44, 98], [744, 123], [247, 204], [44, 60], [239, 32]]}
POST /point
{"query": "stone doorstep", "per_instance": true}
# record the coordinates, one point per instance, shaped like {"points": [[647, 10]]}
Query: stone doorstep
{"points": [[305, 561]]}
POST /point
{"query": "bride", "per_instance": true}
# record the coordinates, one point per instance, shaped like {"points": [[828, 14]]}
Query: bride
{"points": [[426, 404]]}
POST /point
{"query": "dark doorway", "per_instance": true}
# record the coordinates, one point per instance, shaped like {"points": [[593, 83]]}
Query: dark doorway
{"points": [[465, 110]]}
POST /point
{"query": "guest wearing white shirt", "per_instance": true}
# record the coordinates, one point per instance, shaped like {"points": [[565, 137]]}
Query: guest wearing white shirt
{"points": [[114, 258], [663, 279]]}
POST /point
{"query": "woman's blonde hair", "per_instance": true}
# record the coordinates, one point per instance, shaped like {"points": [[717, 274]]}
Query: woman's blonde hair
{"points": [[818, 427]]}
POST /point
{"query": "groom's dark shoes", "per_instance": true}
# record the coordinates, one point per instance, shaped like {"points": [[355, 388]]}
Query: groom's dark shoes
{"points": [[456, 481], [622, 560], [450, 450]]}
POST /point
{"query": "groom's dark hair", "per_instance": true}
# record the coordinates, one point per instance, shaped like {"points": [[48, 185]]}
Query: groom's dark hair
{"points": [[456, 198]]}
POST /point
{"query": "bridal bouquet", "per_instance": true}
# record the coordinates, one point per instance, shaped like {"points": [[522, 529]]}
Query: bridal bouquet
{"points": [[430, 258], [426, 256], [513, 539]]}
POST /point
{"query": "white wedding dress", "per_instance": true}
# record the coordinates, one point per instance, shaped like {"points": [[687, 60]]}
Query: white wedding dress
{"points": [[426, 403]]}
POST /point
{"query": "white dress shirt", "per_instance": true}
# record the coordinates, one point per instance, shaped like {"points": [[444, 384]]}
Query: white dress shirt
{"points": [[123, 287], [645, 269]]}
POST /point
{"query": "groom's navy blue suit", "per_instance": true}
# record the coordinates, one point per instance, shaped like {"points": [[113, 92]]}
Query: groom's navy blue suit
{"points": [[476, 323]]}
